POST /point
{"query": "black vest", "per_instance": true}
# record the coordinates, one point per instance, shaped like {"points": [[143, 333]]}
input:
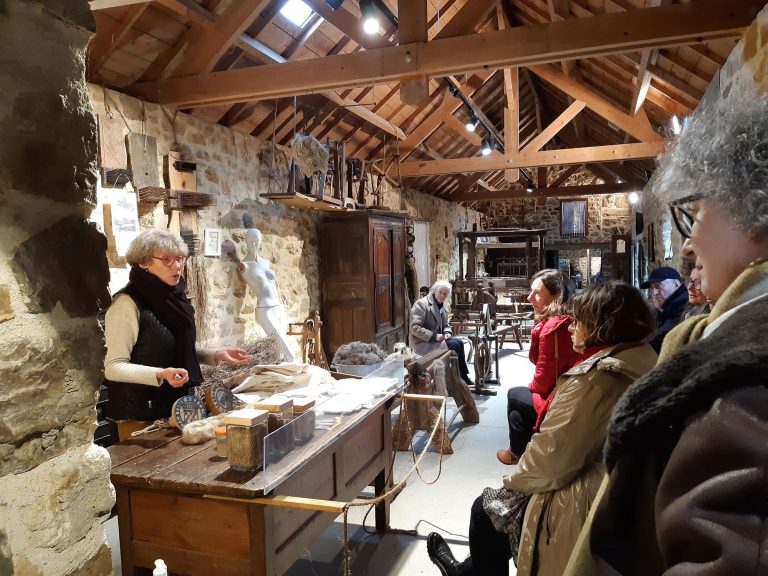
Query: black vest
{"points": [[155, 346]]}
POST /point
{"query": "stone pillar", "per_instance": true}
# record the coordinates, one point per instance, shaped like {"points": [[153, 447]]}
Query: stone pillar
{"points": [[54, 483]]}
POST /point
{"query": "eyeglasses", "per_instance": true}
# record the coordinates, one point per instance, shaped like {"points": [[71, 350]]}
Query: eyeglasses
{"points": [[695, 283], [682, 215], [169, 261]]}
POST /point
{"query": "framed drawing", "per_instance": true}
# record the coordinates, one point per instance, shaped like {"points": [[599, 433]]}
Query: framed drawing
{"points": [[573, 218], [212, 242]]}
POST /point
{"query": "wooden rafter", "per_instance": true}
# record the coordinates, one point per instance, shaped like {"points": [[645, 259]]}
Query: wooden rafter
{"points": [[678, 24], [585, 155], [562, 191], [637, 127], [558, 124], [565, 174], [412, 15], [110, 40]]}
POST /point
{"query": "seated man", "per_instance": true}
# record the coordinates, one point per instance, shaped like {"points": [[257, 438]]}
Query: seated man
{"points": [[430, 330], [669, 297]]}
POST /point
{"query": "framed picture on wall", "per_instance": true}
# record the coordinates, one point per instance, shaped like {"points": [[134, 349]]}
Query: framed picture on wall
{"points": [[212, 242], [573, 218]]}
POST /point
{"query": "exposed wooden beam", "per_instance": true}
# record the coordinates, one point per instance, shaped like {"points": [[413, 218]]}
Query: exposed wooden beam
{"points": [[511, 106], [541, 177], [412, 15], [643, 82], [678, 24], [563, 191], [107, 4], [465, 20], [251, 45], [476, 109], [348, 24], [637, 127], [211, 43], [558, 124], [107, 41], [612, 153]]}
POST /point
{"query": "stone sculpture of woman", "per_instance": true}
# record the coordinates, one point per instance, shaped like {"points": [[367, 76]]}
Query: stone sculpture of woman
{"points": [[270, 313]]}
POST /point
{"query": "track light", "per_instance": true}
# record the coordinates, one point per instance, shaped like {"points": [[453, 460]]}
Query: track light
{"points": [[487, 148], [472, 123], [371, 22], [529, 189]]}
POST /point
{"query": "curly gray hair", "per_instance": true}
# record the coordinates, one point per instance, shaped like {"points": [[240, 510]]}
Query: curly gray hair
{"points": [[440, 284], [722, 154], [155, 241]]}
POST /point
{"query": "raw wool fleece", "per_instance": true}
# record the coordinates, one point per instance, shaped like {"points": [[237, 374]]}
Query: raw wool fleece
{"points": [[309, 154], [358, 354], [734, 356], [202, 430], [438, 378]]}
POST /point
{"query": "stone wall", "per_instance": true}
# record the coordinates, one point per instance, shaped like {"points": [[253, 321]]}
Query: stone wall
{"points": [[54, 483], [606, 214], [235, 168], [744, 75]]}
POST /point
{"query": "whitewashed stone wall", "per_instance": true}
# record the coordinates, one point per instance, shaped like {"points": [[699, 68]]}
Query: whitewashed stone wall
{"points": [[54, 484]]}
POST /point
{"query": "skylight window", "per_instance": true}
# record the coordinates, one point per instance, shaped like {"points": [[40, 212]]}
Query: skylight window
{"points": [[297, 12]]}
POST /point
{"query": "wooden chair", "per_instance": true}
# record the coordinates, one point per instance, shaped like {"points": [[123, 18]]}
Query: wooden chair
{"points": [[423, 415]]}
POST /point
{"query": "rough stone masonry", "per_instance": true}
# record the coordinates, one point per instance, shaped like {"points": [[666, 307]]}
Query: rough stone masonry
{"points": [[54, 483]]}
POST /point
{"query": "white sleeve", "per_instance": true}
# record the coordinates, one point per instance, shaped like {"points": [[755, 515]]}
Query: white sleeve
{"points": [[121, 331]]}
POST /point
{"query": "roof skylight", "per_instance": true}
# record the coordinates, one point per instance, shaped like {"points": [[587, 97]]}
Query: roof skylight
{"points": [[297, 12]]}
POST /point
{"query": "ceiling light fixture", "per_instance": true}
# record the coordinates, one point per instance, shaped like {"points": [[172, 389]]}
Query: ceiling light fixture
{"points": [[619, 181], [471, 123], [633, 197], [371, 22], [487, 147], [529, 189]]}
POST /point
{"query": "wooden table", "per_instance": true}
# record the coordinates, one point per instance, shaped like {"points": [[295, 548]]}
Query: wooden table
{"points": [[180, 503]]}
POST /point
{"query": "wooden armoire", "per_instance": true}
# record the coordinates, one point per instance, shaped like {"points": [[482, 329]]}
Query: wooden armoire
{"points": [[362, 263]]}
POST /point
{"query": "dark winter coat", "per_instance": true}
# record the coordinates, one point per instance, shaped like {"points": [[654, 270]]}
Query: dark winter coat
{"points": [[687, 452], [669, 316]]}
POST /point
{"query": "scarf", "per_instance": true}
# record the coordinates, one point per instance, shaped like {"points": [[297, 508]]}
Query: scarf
{"points": [[174, 310]]}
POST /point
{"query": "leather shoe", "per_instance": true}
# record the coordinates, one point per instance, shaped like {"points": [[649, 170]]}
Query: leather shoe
{"points": [[440, 553], [507, 457], [483, 391]]}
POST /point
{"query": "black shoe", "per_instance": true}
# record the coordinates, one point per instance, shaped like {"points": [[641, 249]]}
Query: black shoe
{"points": [[440, 553], [467, 381]]}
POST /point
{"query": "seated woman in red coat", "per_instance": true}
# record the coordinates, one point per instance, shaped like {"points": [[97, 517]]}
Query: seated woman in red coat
{"points": [[551, 352]]}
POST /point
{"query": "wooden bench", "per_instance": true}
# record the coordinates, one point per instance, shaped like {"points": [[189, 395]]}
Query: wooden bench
{"points": [[422, 415]]}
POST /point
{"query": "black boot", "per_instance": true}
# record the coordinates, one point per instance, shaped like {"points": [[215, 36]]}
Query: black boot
{"points": [[440, 553]]}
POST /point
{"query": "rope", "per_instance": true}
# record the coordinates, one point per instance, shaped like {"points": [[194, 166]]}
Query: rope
{"points": [[399, 486]]}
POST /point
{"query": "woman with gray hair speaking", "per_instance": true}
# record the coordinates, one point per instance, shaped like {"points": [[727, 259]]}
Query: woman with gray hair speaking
{"points": [[152, 359], [687, 445], [430, 330]]}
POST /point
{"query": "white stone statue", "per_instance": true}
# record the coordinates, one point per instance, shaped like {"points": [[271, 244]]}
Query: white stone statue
{"points": [[270, 313]]}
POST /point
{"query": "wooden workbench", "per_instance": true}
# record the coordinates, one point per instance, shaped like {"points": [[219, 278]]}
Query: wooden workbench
{"points": [[172, 499]]}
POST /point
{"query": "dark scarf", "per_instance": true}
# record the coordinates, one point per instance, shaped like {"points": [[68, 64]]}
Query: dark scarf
{"points": [[174, 310]]}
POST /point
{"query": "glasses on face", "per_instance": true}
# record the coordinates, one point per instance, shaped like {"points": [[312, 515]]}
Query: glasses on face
{"points": [[682, 215], [695, 283], [169, 261]]}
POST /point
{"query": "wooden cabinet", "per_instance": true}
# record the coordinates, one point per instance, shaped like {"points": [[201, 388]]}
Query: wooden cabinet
{"points": [[362, 262]]}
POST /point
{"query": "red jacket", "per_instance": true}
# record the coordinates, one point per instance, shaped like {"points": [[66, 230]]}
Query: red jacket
{"points": [[550, 361]]}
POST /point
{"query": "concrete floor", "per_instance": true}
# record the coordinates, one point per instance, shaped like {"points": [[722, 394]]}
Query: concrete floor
{"points": [[420, 508]]}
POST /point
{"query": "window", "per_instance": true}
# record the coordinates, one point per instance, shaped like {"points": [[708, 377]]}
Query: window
{"points": [[573, 218], [297, 12]]}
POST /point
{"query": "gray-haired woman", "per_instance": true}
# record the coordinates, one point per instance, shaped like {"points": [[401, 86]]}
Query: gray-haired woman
{"points": [[430, 330], [687, 446], [152, 359]]}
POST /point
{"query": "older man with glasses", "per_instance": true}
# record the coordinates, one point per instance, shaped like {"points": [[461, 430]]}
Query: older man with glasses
{"points": [[669, 296]]}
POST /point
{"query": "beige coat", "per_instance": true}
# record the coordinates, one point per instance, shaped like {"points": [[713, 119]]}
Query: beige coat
{"points": [[427, 321], [562, 466]]}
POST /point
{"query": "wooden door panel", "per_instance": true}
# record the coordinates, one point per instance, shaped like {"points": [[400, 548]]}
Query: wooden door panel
{"points": [[382, 280]]}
